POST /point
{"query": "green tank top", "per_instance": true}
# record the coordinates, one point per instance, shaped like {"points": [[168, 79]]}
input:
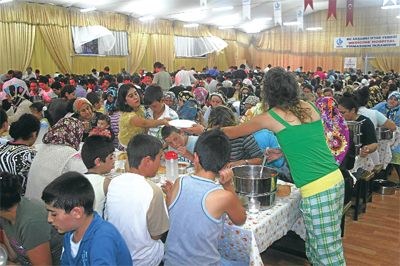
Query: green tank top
{"points": [[306, 150]]}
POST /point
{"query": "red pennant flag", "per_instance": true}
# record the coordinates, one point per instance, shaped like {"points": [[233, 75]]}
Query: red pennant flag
{"points": [[332, 9], [349, 12], [308, 2]]}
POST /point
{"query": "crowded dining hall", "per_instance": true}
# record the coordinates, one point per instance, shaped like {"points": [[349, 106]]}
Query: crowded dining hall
{"points": [[200, 132]]}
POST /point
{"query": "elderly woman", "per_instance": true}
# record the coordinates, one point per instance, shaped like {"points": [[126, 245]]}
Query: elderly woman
{"points": [[85, 113], [30, 239], [58, 155], [171, 101], [18, 97], [132, 120], [16, 156], [392, 111], [298, 127]]}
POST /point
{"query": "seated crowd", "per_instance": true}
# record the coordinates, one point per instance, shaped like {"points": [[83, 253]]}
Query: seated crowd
{"points": [[60, 205]]}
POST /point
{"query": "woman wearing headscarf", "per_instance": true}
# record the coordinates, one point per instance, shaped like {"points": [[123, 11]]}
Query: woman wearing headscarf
{"points": [[375, 96], [189, 107], [85, 113], [216, 98], [110, 104], [58, 155], [392, 111], [18, 97], [200, 94], [171, 100]]}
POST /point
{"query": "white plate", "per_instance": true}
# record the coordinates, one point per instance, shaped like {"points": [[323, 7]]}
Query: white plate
{"points": [[181, 123]]}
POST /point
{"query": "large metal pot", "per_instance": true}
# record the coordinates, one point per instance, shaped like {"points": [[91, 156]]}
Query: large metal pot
{"points": [[266, 199], [384, 187], [383, 133], [247, 179], [355, 126], [36, 98]]}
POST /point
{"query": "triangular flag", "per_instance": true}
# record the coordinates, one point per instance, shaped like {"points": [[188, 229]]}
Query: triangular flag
{"points": [[349, 12], [332, 8], [308, 2]]}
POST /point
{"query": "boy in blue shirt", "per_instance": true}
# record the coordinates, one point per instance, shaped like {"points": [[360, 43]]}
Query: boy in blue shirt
{"points": [[88, 239], [198, 206]]}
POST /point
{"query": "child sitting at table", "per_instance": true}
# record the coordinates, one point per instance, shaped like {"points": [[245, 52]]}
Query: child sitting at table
{"points": [[88, 239], [183, 145], [103, 127], [197, 205], [136, 206], [98, 157]]}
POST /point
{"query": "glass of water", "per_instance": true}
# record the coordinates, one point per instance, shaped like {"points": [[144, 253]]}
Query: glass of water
{"points": [[254, 208]]}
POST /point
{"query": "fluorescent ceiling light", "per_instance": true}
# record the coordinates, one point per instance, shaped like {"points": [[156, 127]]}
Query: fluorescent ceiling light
{"points": [[88, 9], [222, 8], [262, 19], [292, 23], [145, 18], [225, 27], [315, 28], [191, 25], [5, 1], [398, 16], [390, 7]]}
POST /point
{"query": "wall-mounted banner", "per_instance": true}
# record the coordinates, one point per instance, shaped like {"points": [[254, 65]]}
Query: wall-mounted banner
{"points": [[350, 62], [307, 3], [300, 18], [246, 10], [332, 8], [278, 13], [375, 41]]}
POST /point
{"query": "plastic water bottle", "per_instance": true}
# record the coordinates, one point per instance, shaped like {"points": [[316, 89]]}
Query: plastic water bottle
{"points": [[171, 165]]}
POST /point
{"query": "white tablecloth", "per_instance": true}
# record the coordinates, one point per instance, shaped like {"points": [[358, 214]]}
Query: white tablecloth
{"points": [[246, 242]]}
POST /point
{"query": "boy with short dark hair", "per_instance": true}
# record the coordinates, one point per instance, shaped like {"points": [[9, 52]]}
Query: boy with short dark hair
{"points": [[136, 206], [197, 205], [88, 239], [183, 145], [154, 98], [98, 157]]}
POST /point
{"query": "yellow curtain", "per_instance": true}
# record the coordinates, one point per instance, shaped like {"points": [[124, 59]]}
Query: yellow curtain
{"points": [[386, 63], [111, 21], [85, 64], [199, 31], [285, 46], [221, 61], [163, 50], [224, 34], [212, 59], [137, 48], [197, 63], [156, 26], [17, 41], [41, 57], [148, 61]]}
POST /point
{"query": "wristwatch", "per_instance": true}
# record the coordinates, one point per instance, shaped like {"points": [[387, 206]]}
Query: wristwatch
{"points": [[247, 161]]}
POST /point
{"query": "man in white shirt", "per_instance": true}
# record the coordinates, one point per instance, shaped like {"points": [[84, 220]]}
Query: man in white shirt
{"points": [[184, 77], [267, 68], [28, 74], [16, 80]]}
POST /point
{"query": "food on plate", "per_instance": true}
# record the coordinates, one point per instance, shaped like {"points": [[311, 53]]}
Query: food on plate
{"points": [[123, 156], [161, 170]]}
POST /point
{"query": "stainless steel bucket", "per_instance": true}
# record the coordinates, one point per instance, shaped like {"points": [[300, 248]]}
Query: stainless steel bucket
{"points": [[384, 187], [247, 179], [383, 133], [355, 126], [266, 199]]}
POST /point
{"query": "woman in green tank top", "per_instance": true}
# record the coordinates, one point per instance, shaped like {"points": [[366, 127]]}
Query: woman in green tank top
{"points": [[299, 130]]}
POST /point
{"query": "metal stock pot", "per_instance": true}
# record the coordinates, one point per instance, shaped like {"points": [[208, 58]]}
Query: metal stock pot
{"points": [[247, 179], [383, 133]]}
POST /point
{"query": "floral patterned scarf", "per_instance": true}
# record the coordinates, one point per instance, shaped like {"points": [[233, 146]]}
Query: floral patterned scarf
{"points": [[336, 130], [67, 131]]}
